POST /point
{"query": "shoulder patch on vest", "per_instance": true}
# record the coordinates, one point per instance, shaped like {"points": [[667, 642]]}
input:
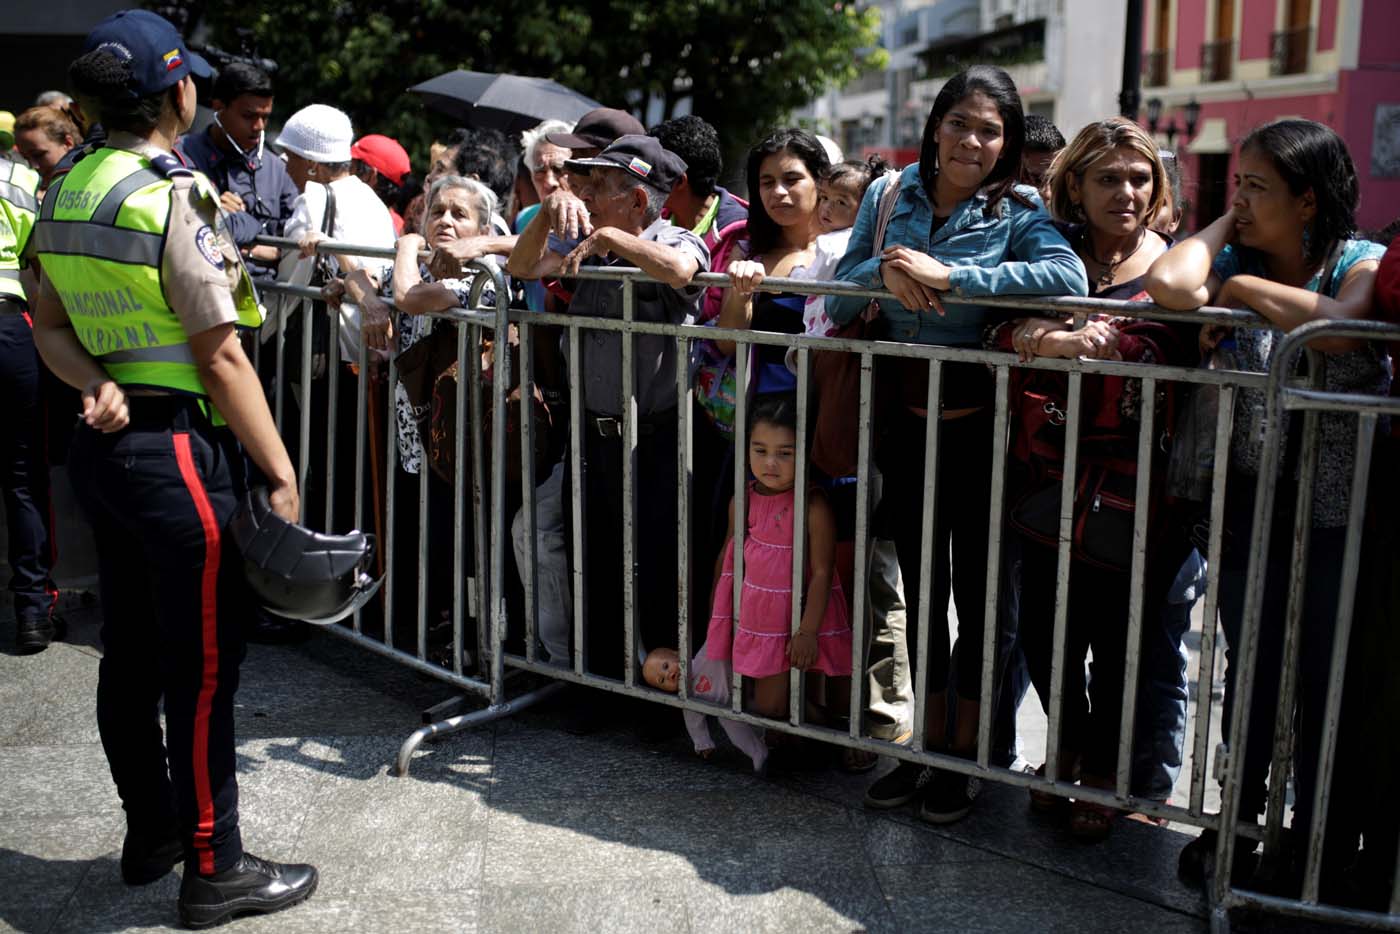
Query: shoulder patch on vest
{"points": [[208, 243], [169, 166]]}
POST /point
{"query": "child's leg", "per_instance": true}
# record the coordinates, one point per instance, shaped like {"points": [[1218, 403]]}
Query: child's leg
{"points": [[770, 696]]}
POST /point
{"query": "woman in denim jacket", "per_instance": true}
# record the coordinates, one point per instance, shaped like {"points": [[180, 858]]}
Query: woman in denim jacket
{"points": [[960, 225]]}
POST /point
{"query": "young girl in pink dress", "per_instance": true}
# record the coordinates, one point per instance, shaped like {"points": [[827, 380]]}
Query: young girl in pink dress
{"points": [[761, 642]]}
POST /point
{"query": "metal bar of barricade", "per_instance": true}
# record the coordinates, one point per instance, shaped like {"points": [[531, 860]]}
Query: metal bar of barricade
{"points": [[1293, 634], [459, 578], [1053, 305], [1138, 574], [500, 522], [304, 421], [1055, 728], [932, 429], [476, 431], [1205, 673], [423, 528], [576, 485], [361, 430], [1351, 566], [391, 452], [990, 628], [861, 600], [332, 415], [280, 376], [530, 577], [797, 679], [684, 470], [740, 507], [629, 490]]}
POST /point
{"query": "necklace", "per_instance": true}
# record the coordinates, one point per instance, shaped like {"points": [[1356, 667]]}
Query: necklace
{"points": [[1105, 278]]}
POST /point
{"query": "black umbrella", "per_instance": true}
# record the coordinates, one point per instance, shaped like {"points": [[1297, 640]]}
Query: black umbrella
{"points": [[509, 103]]}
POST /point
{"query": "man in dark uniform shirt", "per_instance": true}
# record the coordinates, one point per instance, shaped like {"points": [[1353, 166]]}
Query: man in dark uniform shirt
{"points": [[256, 190]]}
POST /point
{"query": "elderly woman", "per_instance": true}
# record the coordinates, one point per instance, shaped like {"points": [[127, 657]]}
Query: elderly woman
{"points": [[457, 208], [1105, 189]]}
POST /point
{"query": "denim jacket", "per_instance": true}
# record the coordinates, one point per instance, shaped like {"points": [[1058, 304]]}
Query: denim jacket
{"points": [[1015, 251]]}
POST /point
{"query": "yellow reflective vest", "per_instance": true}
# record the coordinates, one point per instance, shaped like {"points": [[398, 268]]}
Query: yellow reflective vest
{"points": [[19, 204], [100, 239]]}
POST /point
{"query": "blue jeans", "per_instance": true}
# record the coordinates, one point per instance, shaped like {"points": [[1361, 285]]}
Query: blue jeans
{"points": [[1160, 732]]}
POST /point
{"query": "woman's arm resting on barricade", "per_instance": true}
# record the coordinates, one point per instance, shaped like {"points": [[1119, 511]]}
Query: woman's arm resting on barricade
{"points": [[411, 294], [1181, 278], [1288, 307], [449, 258]]}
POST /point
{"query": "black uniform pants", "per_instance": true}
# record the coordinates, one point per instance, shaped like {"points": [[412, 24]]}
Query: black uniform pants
{"points": [[158, 496], [24, 469]]}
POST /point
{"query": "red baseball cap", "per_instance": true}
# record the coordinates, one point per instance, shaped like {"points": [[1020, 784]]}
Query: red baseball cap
{"points": [[386, 156]]}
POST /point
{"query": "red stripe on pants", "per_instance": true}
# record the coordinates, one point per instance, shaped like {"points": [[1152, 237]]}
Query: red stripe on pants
{"points": [[209, 628]]}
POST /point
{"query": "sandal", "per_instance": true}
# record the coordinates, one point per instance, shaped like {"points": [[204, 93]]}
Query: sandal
{"points": [[1044, 802], [856, 761], [1088, 821], [853, 761]]}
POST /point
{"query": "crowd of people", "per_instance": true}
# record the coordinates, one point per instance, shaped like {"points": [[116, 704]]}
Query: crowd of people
{"points": [[999, 204]]}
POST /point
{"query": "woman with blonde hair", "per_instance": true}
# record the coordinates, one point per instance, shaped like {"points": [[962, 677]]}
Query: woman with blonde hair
{"points": [[1104, 190], [43, 135]]}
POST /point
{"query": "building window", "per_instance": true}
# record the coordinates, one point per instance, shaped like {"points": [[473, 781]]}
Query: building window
{"points": [[1217, 60]]}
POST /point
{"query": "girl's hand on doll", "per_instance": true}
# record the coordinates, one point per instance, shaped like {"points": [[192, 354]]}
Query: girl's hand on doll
{"points": [[802, 650]]}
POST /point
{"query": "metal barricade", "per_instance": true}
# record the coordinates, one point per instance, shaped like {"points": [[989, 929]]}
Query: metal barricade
{"points": [[490, 583], [1283, 398], [936, 356], [478, 595]]}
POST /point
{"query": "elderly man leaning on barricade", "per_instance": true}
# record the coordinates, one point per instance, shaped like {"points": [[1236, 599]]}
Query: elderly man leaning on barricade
{"points": [[623, 189]]}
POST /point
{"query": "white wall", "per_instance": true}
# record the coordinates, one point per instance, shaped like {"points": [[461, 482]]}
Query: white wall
{"points": [[1089, 44]]}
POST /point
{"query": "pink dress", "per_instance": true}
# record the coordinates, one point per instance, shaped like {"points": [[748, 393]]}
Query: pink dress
{"points": [[760, 644]]}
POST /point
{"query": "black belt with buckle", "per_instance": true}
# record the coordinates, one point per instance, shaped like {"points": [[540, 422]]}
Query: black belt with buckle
{"points": [[610, 426]]}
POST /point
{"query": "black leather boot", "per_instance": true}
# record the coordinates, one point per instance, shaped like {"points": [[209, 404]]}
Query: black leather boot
{"points": [[253, 886], [33, 634]]}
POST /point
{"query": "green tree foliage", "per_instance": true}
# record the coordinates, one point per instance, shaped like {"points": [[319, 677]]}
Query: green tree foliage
{"points": [[745, 64]]}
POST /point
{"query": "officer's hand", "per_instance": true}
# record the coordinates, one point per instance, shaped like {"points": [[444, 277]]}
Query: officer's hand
{"points": [[285, 501], [231, 202], [104, 406]]}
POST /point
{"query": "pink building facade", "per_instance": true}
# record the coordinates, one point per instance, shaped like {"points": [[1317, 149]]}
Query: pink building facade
{"points": [[1246, 62]]}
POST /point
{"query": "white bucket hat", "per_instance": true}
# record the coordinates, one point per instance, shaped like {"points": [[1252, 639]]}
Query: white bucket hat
{"points": [[318, 132]]}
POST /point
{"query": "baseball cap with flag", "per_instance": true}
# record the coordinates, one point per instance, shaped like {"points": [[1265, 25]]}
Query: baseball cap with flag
{"points": [[151, 47], [640, 156]]}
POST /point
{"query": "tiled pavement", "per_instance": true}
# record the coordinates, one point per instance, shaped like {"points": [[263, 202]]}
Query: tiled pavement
{"points": [[522, 827]]}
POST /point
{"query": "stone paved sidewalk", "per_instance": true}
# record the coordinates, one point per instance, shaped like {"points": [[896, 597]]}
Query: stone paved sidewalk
{"points": [[522, 827]]}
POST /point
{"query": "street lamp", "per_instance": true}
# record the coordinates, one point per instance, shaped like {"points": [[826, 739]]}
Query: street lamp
{"points": [[1154, 113], [1193, 117]]}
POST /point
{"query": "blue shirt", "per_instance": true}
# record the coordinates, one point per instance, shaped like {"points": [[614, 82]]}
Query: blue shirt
{"points": [[1013, 250], [268, 192]]}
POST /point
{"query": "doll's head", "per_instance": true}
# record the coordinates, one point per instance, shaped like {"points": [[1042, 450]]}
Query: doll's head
{"points": [[662, 670]]}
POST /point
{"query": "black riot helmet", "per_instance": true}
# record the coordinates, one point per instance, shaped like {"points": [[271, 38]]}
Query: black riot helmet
{"points": [[301, 574]]}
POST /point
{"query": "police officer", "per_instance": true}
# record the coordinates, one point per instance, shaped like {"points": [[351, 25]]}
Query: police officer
{"points": [[24, 469], [141, 297]]}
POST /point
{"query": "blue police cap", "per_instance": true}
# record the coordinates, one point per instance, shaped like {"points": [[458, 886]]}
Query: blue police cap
{"points": [[151, 46]]}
